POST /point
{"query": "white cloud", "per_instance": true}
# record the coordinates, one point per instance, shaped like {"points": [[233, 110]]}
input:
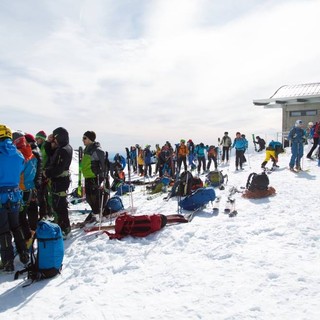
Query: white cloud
{"points": [[147, 72]]}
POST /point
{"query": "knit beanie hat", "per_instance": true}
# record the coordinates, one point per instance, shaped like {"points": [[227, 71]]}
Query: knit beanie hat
{"points": [[30, 138], [91, 135], [41, 135]]}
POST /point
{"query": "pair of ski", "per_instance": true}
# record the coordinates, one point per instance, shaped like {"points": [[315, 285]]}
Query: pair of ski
{"points": [[112, 216], [230, 207]]}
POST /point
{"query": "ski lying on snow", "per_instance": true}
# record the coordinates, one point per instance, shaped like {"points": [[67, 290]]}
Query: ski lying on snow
{"points": [[111, 216]]}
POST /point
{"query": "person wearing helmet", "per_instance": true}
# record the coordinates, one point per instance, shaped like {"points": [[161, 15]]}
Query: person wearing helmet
{"points": [[12, 165], [297, 137]]}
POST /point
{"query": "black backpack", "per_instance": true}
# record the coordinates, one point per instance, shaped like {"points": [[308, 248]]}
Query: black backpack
{"points": [[257, 182]]}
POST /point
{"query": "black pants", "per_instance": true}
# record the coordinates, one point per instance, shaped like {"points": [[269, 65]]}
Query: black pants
{"points": [[9, 225], [314, 146], [201, 160], [60, 187], [225, 153], [239, 158], [182, 160], [93, 194], [210, 159]]}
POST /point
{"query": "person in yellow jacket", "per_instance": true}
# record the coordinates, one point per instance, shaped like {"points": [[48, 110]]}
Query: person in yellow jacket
{"points": [[140, 162], [182, 153]]}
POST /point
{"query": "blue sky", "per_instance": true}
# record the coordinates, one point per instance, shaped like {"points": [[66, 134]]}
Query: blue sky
{"points": [[149, 71]]}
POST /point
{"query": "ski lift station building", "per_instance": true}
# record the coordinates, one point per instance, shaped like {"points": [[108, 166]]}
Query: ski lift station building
{"points": [[300, 101]]}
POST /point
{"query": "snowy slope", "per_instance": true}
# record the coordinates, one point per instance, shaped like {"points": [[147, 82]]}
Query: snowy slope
{"points": [[262, 264]]}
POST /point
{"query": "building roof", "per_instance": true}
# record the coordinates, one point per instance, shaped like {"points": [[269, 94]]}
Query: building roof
{"points": [[294, 94]]}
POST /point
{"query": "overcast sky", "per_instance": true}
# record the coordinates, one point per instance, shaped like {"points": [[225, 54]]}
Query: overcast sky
{"points": [[147, 71]]}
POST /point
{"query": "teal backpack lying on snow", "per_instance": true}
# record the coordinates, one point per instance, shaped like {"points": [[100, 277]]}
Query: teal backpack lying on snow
{"points": [[46, 259]]}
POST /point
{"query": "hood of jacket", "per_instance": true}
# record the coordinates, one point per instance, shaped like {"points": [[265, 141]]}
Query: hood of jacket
{"points": [[62, 136], [7, 147]]}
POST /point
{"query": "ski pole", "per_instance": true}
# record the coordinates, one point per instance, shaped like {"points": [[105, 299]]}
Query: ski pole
{"points": [[103, 188], [129, 177]]}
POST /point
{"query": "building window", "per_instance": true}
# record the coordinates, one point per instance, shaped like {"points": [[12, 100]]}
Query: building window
{"points": [[303, 113]]}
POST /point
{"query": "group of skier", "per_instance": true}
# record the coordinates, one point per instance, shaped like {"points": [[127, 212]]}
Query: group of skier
{"points": [[35, 175]]}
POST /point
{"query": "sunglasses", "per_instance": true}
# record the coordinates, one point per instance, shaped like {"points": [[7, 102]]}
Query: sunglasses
{"points": [[84, 138]]}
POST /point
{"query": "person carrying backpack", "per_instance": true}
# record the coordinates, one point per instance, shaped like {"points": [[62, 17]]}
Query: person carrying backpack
{"points": [[200, 153], [30, 179], [182, 153], [212, 157], [272, 152], [240, 145], [297, 138], [12, 165]]}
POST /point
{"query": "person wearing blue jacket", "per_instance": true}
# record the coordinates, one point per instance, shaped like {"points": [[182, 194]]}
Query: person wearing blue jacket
{"points": [[200, 151], [12, 165], [297, 136], [240, 144]]}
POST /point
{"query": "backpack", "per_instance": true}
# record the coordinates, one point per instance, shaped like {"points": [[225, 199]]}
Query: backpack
{"points": [[196, 183], [114, 204], [158, 185], [276, 146], [212, 151], [124, 188], [137, 226], [215, 178], [46, 259], [257, 181], [183, 186], [198, 199]]}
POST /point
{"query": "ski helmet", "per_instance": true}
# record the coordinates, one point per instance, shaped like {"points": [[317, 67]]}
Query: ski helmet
{"points": [[310, 124], [5, 132], [298, 123]]}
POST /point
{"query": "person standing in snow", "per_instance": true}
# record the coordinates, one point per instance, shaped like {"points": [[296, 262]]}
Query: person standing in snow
{"points": [[226, 144], [240, 145], [12, 165], [297, 138], [316, 133], [93, 167], [201, 156], [182, 153], [57, 170]]}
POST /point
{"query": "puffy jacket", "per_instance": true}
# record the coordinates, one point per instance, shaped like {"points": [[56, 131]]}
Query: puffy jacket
{"points": [[200, 150], [59, 162], [226, 141], [182, 150], [239, 144]]}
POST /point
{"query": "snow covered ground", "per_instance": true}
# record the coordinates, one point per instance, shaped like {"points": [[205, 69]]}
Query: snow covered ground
{"points": [[262, 264]]}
